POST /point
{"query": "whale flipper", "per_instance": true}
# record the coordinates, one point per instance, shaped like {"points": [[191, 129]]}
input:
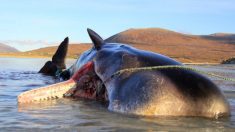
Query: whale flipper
{"points": [[58, 60]]}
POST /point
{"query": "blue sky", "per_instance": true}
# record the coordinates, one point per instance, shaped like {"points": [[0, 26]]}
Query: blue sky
{"points": [[30, 24]]}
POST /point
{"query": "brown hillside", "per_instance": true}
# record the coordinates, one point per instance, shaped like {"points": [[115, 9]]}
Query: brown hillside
{"points": [[185, 48]]}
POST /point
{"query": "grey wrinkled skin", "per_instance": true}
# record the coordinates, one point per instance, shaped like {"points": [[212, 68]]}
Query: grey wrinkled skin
{"points": [[168, 92]]}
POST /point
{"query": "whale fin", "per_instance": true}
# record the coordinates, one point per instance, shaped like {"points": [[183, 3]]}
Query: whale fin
{"points": [[96, 39], [59, 57], [49, 69], [58, 60]]}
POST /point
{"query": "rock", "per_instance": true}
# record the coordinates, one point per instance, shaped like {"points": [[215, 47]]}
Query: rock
{"points": [[229, 61]]}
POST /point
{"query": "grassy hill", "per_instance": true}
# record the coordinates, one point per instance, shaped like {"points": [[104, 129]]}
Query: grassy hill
{"points": [[6, 49], [183, 47]]}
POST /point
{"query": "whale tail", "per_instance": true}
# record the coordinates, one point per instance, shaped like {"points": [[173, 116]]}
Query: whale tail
{"points": [[58, 60]]}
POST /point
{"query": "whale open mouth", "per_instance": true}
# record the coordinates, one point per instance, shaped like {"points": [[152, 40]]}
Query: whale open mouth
{"points": [[83, 84]]}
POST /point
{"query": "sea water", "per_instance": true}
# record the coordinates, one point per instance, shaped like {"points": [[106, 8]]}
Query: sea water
{"points": [[21, 74]]}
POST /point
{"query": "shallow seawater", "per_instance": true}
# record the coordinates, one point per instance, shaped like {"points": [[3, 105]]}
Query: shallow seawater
{"points": [[19, 75]]}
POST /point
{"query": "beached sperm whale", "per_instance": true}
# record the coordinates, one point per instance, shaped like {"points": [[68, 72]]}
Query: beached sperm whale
{"points": [[166, 92]]}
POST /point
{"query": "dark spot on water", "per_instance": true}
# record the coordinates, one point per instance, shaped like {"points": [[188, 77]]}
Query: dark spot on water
{"points": [[32, 85], [90, 124]]}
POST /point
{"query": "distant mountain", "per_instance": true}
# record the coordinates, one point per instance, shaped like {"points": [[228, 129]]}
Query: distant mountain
{"points": [[222, 37], [6, 49]]}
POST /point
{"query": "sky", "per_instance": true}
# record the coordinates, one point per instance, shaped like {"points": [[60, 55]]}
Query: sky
{"points": [[31, 24]]}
